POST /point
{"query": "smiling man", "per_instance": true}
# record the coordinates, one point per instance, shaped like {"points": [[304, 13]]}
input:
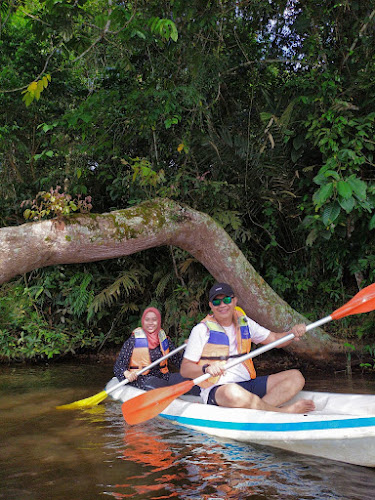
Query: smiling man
{"points": [[227, 333]]}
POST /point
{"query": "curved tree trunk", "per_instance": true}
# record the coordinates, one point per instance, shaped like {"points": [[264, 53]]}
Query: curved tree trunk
{"points": [[88, 237]]}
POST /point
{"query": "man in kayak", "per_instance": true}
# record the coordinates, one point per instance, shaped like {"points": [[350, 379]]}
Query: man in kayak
{"points": [[227, 333]]}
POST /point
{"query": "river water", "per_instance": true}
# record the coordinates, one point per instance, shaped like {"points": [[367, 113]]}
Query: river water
{"points": [[92, 454]]}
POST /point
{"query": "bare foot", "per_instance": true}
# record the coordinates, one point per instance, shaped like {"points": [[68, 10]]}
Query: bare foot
{"points": [[300, 406]]}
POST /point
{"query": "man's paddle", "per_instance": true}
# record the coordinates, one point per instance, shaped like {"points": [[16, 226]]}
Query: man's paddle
{"points": [[150, 404], [98, 398]]}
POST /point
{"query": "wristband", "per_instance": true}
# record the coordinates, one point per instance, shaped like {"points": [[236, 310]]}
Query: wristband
{"points": [[204, 368]]}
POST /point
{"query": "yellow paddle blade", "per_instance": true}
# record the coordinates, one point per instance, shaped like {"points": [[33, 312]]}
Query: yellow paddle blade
{"points": [[85, 403]]}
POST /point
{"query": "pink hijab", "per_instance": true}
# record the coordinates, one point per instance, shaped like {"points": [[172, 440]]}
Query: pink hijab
{"points": [[153, 338]]}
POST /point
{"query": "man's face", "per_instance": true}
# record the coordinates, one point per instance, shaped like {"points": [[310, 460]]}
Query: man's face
{"points": [[223, 313]]}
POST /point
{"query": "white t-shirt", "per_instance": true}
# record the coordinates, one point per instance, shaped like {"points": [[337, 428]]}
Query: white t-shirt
{"points": [[238, 373]]}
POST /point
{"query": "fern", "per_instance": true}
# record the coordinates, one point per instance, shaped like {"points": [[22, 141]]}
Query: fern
{"points": [[128, 282], [163, 284], [80, 296]]}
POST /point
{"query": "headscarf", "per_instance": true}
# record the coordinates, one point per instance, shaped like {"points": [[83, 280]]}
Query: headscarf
{"points": [[153, 338]]}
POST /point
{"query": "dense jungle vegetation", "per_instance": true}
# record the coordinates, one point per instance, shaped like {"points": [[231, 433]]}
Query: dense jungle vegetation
{"points": [[258, 112]]}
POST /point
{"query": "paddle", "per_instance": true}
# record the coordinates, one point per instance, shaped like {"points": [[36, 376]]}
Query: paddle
{"points": [[150, 404], [98, 398]]}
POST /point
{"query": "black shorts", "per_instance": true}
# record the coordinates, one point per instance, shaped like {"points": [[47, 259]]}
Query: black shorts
{"points": [[256, 386]]}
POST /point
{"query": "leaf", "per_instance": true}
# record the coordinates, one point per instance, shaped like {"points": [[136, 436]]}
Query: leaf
{"points": [[296, 155], [28, 98], [347, 204], [358, 186], [32, 87], [174, 33], [371, 224], [344, 189], [298, 141], [265, 116], [332, 173], [323, 194], [367, 205], [330, 213], [311, 237]]}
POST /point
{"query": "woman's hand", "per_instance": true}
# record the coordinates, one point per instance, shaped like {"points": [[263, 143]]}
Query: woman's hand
{"points": [[131, 376]]}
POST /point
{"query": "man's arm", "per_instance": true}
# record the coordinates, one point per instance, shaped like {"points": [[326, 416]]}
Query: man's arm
{"points": [[298, 330], [190, 369], [197, 339]]}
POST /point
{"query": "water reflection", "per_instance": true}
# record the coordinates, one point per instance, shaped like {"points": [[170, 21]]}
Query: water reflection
{"points": [[88, 454], [188, 470], [163, 461]]}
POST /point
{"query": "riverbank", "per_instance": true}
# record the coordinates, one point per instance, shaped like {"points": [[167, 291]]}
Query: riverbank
{"points": [[270, 362]]}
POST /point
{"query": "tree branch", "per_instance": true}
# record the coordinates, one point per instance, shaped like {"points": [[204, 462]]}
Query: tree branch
{"points": [[92, 237]]}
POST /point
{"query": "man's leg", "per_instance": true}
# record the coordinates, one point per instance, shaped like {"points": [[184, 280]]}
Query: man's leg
{"points": [[283, 386], [235, 396]]}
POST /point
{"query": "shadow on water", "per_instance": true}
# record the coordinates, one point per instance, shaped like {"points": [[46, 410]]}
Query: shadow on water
{"points": [[84, 455]]}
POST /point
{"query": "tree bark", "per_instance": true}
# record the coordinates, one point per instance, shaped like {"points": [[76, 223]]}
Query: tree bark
{"points": [[91, 237]]}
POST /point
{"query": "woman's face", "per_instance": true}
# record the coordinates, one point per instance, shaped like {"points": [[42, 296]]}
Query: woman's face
{"points": [[150, 322]]}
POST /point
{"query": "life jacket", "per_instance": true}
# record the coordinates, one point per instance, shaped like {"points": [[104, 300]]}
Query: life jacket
{"points": [[217, 346], [141, 354]]}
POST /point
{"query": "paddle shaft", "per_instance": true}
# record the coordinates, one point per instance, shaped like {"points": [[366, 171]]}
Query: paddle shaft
{"points": [[263, 349], [146, 368]]}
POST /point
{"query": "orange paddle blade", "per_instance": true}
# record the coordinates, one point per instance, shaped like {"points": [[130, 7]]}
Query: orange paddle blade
{"points": [[150, 404], [363, 302]]}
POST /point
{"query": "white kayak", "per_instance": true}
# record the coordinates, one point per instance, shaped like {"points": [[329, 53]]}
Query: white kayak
{"points": [[341, 428]]}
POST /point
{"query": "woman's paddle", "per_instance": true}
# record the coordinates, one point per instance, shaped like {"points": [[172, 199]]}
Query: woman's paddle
{"points": [[98, 398], [150, 404]]}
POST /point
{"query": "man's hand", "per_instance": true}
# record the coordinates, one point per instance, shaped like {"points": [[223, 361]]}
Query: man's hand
{"points": [[299, 331], [216, 369]]}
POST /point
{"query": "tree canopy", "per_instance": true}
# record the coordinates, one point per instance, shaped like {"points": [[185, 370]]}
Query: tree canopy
{"points": [[259, 113]]}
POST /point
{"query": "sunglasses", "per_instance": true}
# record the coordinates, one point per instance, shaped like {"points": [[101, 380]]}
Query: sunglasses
{"points": [[226, 300]]}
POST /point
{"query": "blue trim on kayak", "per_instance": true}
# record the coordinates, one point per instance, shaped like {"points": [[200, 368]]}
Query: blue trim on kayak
{"points": [[349, 423]]}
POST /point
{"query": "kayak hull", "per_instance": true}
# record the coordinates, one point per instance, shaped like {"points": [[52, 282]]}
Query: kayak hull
{"points": [[341, 428]]}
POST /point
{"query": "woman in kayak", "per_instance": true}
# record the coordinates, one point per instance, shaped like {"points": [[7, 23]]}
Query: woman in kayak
{"points": [[145, 345]]}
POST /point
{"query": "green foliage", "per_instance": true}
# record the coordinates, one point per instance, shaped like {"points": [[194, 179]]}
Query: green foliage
{"points": [[164, 28], [123, 285], [259, 115], [27, 331]]}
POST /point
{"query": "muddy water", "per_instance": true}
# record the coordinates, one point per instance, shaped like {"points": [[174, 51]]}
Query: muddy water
{"points": [[47, 454]]}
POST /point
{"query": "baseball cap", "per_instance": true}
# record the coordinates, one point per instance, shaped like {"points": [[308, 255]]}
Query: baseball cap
{"points": [[220, 289]]}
